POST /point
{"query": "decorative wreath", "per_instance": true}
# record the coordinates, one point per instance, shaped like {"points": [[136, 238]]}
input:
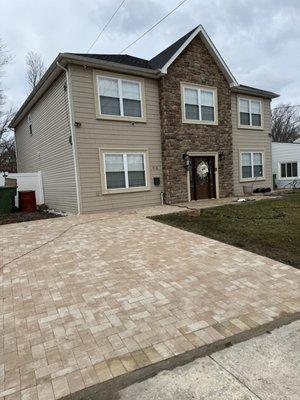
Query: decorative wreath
{"points": [[202, 170]]}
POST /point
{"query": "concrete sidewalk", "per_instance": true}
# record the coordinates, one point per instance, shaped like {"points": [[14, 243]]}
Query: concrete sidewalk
{"points": [[265, 368]]}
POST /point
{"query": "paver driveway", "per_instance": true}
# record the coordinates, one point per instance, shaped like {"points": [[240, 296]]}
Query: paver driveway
{"points": [[89, 298]]}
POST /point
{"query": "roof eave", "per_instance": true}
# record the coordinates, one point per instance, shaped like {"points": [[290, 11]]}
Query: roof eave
{"points": [[54, 71], [112, 66], [254, 92]]}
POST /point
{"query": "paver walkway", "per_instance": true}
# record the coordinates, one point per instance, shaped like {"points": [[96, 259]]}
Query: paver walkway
{"points": [[90, 298]]}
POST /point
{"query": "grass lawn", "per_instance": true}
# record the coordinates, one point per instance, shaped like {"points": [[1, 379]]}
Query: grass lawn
{"points": [[268, 227]]}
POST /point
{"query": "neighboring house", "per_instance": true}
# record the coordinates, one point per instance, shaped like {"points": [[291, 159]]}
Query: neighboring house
{"points": [[111, 131], [286, 164]]}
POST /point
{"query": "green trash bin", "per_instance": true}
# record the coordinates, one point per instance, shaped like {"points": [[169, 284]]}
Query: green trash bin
{"points": [[7, 195]]}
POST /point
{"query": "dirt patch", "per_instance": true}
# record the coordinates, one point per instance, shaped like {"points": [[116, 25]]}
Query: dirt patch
{"points": [[24, 217]]}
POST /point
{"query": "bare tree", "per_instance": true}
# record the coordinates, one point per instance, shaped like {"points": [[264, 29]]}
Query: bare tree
{"points": [[5, 118], [5, 58], [7, 146], [35, 69], [8, 161], [5, 114], [286, 123]]}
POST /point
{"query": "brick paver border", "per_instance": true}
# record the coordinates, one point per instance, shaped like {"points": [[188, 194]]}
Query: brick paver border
{"points": [[107, 389]]}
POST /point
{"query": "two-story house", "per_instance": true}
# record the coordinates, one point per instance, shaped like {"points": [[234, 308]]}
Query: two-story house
{"points": [[112, 131]]}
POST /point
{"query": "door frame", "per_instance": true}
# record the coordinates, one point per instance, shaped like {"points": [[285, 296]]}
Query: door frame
{"points": [[214, 154]]}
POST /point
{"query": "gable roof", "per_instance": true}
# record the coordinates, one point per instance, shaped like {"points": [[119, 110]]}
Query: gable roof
{"points": [[164, 59]]}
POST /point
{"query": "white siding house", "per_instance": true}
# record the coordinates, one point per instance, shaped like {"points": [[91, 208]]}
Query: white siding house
{"points": [[286, 164]]}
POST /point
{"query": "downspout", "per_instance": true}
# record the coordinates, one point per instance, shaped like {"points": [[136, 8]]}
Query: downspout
{"points": [[71, 117]]}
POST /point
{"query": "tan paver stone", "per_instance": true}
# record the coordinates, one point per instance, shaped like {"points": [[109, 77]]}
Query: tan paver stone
{"points": [[140, 358], [60, 387], [129, 363], [153, 354], [75, 381], [179, 345], [88, 298], [45, 391], [89, 376], [103, 371], [116, 367], [15, 396], [29, 394], [8, 392], [222, 330]]}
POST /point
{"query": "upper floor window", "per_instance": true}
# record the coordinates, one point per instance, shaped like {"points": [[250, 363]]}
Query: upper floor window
{"points": [[289, 170], [252, 165], [250, 113], [200, 104], [120, 98], [29, 122]]}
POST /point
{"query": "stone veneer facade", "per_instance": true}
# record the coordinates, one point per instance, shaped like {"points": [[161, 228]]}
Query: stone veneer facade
{"points": [[194, 65]]}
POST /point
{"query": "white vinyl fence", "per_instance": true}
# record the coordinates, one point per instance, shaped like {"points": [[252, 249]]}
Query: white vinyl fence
{"points": [[27, 181]]}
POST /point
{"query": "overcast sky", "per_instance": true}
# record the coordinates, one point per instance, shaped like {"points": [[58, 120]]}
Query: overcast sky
{"points": [[259, 40]]}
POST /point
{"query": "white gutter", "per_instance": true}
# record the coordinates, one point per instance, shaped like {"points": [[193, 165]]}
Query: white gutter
{"points": [[71, 119]]}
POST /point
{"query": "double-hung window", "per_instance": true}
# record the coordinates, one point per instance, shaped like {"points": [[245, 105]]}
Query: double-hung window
{"points": [[120, 97], [200, 105], [126, 170], [289, 170], [250, 113], [252, 165]]}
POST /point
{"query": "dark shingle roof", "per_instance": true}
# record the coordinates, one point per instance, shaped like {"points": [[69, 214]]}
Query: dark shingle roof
{"points": [[156, 62], [162, 58], [118, 58]]}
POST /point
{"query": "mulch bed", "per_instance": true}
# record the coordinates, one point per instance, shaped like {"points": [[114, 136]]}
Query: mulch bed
{"points": [[24, 217]]}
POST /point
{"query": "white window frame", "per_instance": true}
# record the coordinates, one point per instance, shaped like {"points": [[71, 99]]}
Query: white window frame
{"points": [[211, 89], [288, 178], [252, 178], [125, 153], [261, 127], [29, 122], [119, 78]]}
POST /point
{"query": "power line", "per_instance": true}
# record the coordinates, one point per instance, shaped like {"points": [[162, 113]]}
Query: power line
{"points": [[152, 27], [105, 26]]}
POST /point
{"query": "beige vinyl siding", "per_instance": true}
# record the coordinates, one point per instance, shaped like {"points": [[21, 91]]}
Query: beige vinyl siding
{"points": [[96, 133], [252, 140], [48, 149]]}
